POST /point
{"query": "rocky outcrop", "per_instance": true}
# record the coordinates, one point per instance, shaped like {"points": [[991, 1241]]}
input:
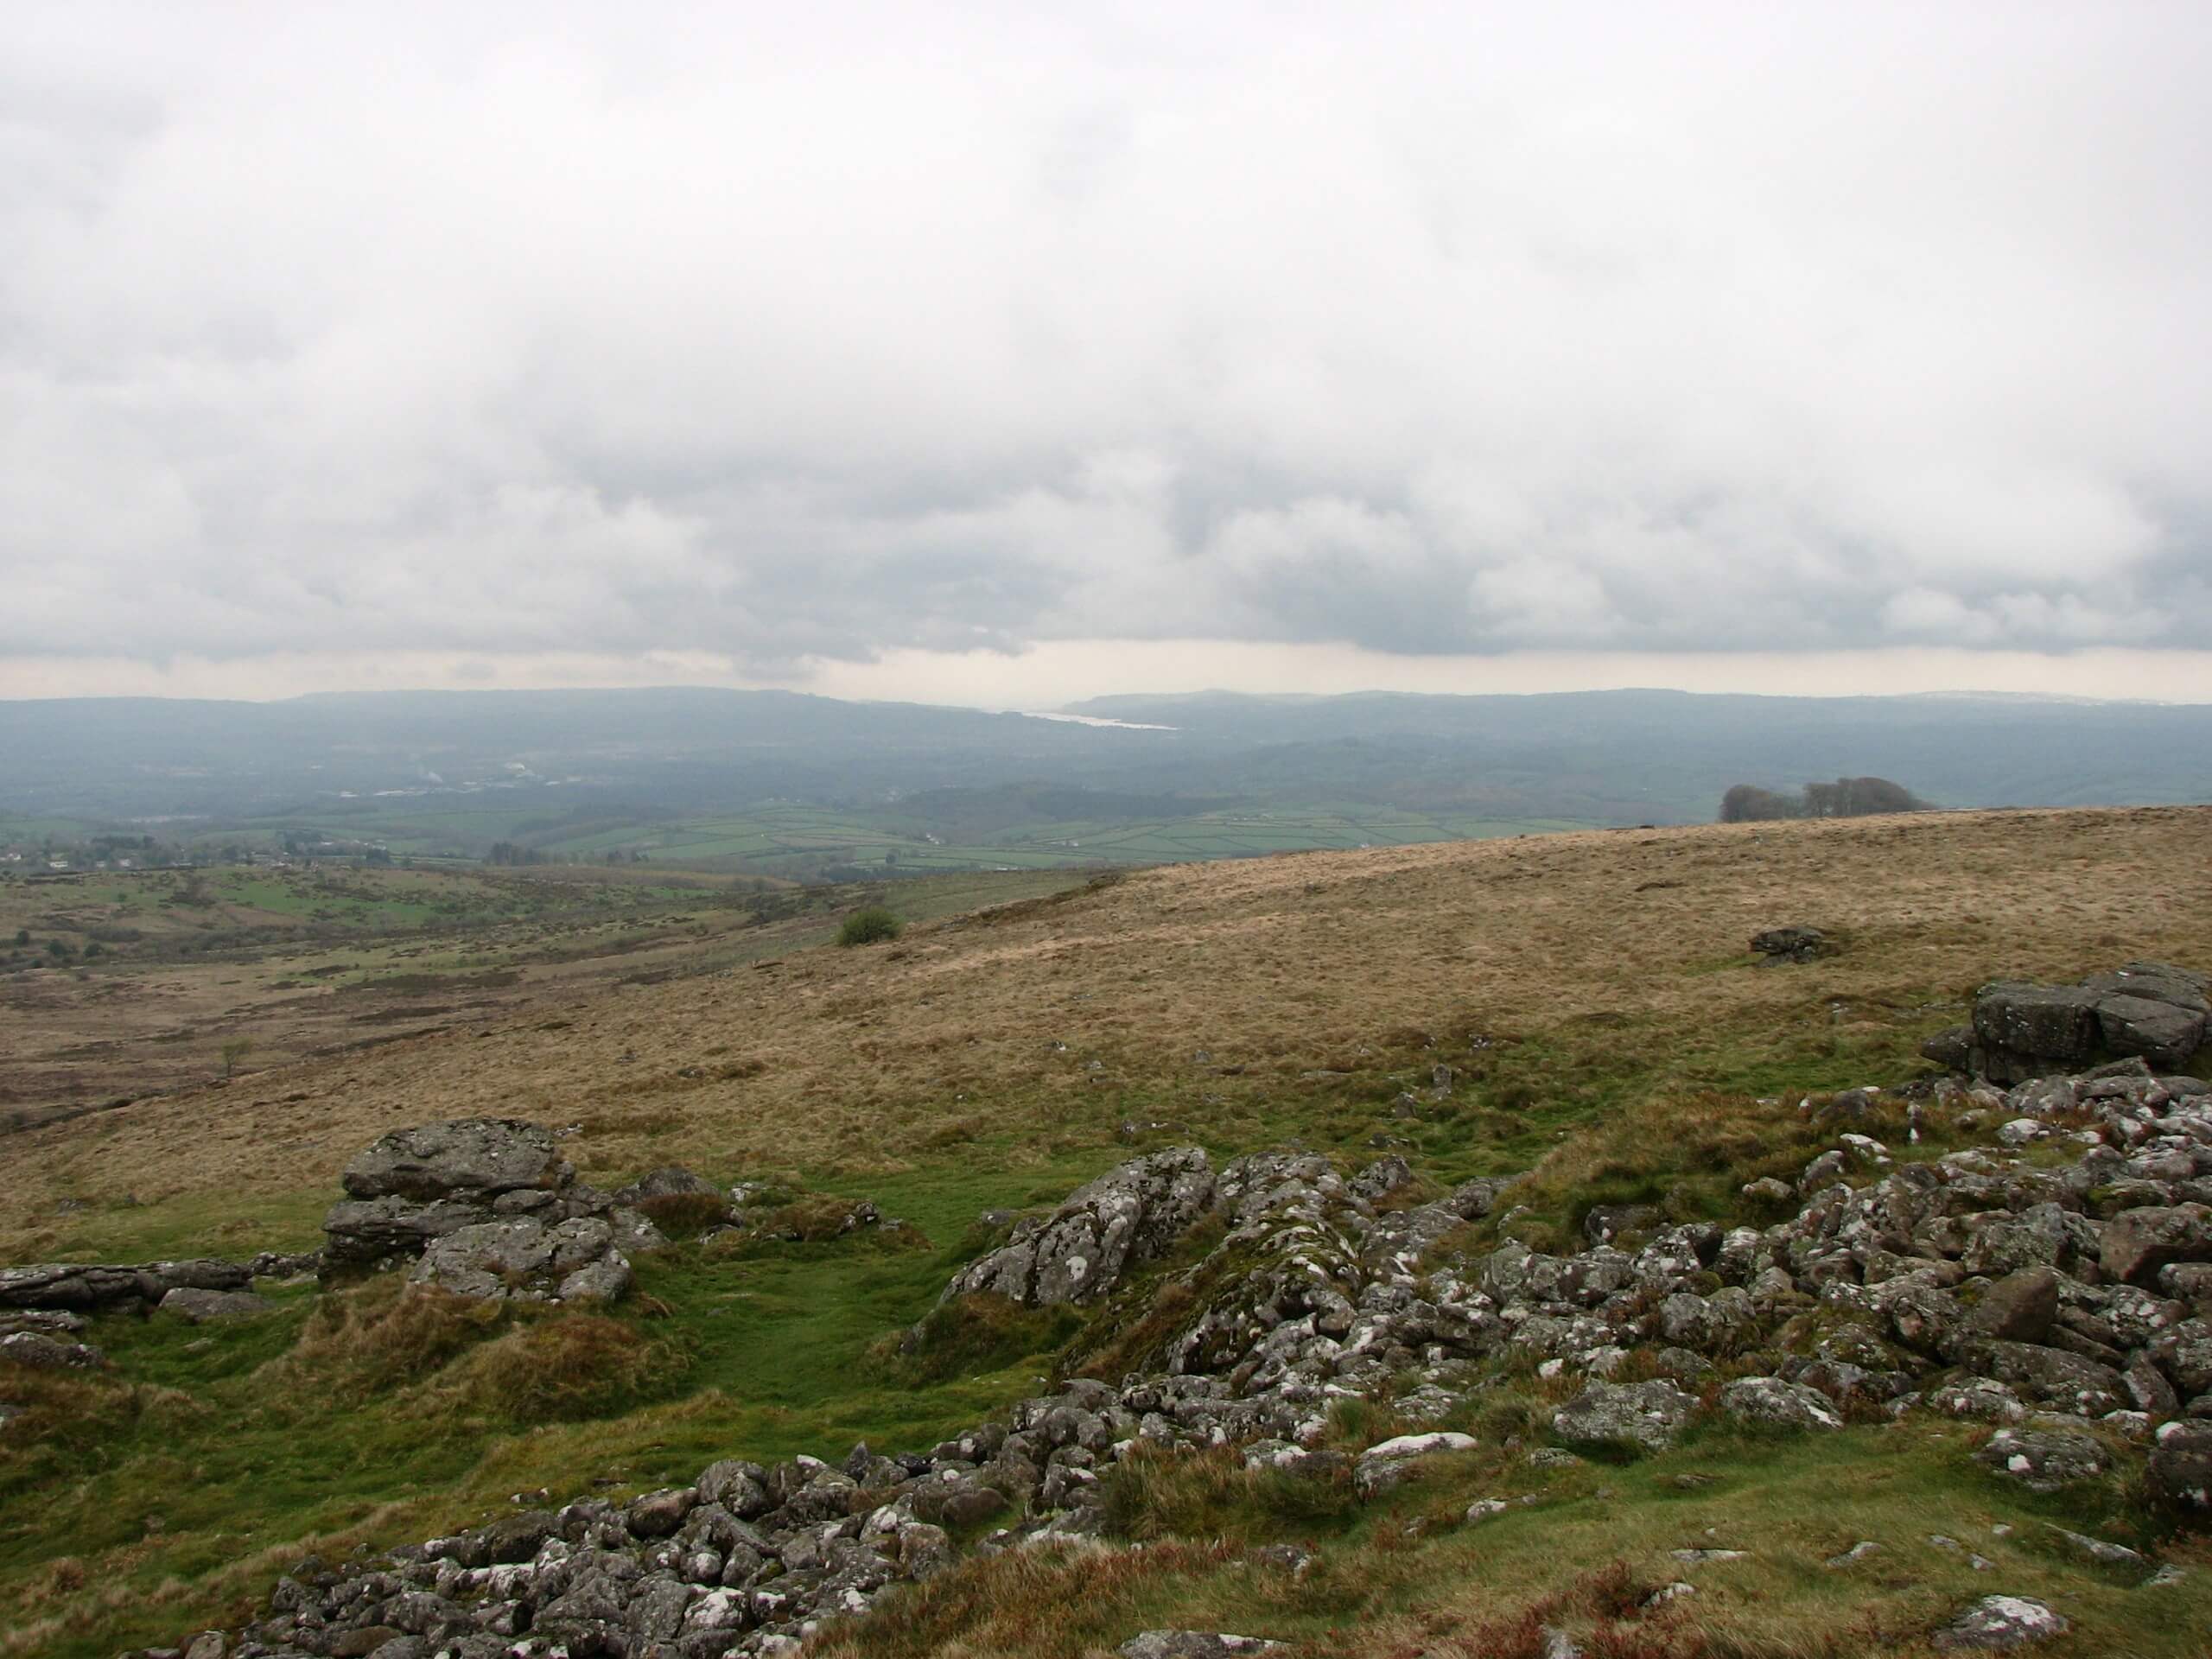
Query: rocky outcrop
{"points": [[97, 1288], [476, 1158], [1967, 1285], [524, 1260], [1648, 1416], [2146, 1009], [487, 1208], [1079, 1253]]}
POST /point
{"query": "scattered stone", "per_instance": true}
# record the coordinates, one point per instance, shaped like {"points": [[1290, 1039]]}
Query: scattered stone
{"points": [[1858, 1552], [1793, 942], [486, 1208], [1193, 1645], [2095, 1549], [1700, 1557], [1997, 1622]]}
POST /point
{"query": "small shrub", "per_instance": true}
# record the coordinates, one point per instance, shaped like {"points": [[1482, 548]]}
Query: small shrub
{"points": [[870, 926]]}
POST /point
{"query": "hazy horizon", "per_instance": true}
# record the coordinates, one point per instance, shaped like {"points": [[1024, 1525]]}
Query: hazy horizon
{"points": [[998, 357]]}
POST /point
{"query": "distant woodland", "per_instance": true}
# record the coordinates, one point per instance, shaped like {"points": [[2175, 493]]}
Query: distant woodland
{"points": [[1846, 797]]}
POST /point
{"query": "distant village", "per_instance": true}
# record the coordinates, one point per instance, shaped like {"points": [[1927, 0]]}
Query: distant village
{"points": [[49, 857]]}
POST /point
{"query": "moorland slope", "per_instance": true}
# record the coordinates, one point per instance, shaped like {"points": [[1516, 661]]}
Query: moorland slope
{"points": [[1580, 1010]]}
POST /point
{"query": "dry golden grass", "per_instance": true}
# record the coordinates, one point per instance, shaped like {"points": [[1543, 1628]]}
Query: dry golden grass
{"points": [[855, 1059]]}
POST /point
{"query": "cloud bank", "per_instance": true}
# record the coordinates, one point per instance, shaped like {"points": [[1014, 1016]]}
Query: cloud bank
{"points": [[793, 334]]}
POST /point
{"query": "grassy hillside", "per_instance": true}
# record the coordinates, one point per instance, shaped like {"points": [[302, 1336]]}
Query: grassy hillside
{"points": [[1604, 1026]]}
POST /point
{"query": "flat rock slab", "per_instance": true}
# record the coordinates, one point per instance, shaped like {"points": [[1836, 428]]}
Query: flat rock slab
{"points": [[209, 1307], [1997, 1622], [1384, 1467], [476, 1157]]}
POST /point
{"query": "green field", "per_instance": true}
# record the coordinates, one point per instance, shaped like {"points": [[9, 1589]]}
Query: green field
{"points": [[799, 841]]}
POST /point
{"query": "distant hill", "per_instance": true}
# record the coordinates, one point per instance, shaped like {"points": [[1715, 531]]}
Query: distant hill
{"points": [[1598, 757]]}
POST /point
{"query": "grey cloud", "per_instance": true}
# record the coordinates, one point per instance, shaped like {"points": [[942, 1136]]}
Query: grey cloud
{"points": [[834, 332]]}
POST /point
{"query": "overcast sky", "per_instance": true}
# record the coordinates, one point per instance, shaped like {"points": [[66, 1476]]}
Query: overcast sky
{"points": [[979, 353]]}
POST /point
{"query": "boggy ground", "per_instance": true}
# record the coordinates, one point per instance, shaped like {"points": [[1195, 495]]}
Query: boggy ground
{"points": [[1591, 993]]}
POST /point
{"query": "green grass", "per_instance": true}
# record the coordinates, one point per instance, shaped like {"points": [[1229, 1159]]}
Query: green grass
{"points": [[241, 1449], [1389, 1573]]}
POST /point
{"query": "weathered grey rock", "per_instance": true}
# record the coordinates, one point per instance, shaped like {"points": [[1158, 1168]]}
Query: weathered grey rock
{"points": [[2185, 1355], [670, 1181], [1382, 1178], [1978, 1399], [2179, 1471], [1384, 1467], [2049, 1377], [658, 1515], [2137, 1244], [478, 1158], [1650, 1415], [2043, 1460], [2095, 1549], [2054, 1024], [364, 1232], [212, 1306], [1952, 1048], [1193, 1645], [524, 1260], [1777, 1404], [1126, 1216], [2163, 1035], [2160, 981], [2019, 1307], [40, 1353], [88, 1287], [1996, 1623], [1794, 942]]}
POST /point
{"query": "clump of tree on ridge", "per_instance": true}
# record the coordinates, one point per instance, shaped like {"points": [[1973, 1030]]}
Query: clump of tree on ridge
{"points": [[1846, 797]]}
